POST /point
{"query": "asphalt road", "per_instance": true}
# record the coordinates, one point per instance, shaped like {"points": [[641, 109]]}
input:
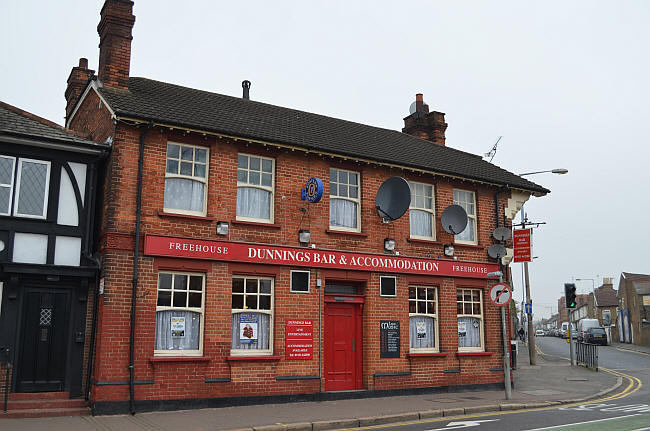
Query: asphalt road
{"points": [[626, 410]]}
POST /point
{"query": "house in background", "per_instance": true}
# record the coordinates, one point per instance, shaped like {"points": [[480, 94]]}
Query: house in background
{"points": [[634, 309], [48, 273]]}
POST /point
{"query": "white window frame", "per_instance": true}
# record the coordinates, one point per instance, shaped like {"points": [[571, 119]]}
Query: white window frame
{"points": [[431, 211], [357, 201], [201, 312], [471, 218], [381, 277], [270, 189], [43, 216], [480, 348], [10, 185], [291, 281], [436, 347], [255, 352], [192, 177]]}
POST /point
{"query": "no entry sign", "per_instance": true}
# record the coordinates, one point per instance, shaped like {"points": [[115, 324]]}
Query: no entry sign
{"points": [[500, 294]]}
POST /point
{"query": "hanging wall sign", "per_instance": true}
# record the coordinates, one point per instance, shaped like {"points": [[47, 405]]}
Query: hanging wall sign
{"points": [[522, 245], [155, 245], [248, 328], [313, 190], [299, 339], [389, 338]]}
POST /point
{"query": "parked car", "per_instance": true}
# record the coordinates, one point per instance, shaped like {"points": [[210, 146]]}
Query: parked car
{"points": [[584, 325], [539, 333], [596, 335]]}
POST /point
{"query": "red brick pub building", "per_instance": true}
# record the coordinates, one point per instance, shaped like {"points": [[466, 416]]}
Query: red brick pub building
{"points": [[229, 301]]}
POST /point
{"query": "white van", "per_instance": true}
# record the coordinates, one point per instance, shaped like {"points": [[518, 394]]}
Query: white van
{"points": [[565, 327], [583, 325]]}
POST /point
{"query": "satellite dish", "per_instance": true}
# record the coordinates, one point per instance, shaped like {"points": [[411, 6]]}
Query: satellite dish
{"points": [[412, 108], [393, 198], [502, 234], [496, 251], [454, 219]]}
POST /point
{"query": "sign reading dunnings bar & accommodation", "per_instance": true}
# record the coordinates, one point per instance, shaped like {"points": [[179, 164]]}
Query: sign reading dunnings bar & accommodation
{"points": [[155, 245]]}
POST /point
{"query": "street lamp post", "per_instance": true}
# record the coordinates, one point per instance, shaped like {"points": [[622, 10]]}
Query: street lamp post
{"points": [[532, 353]]}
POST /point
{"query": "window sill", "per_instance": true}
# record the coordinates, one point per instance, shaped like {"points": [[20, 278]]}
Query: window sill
{"points": [[424, 355], [424, 241], [346, 232], [162, 213], [155, 359], [467, 245], [253, 358], [474, 353], [254, 223]]}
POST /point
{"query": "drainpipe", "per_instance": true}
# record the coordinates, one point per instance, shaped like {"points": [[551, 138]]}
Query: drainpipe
{"points": [[136, 256], [90, 229]]}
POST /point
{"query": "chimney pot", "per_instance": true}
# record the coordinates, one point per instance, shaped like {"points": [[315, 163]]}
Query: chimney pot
{"points": [[419, 97], [424, 124], [246, 85], [83, 63]]}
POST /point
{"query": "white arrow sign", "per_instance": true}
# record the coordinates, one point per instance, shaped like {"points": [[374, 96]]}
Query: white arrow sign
{"points": [[463, 424]]}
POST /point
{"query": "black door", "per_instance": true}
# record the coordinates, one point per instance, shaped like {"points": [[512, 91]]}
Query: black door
{"points": [[41, 366]]}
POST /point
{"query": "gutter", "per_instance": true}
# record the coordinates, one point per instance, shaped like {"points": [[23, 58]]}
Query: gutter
{"points": [[136, 256]]}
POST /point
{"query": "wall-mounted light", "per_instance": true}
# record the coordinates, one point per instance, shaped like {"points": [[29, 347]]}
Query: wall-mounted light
{"points": [[304, 236], [449, 250], [389, 244], [222, 228]]}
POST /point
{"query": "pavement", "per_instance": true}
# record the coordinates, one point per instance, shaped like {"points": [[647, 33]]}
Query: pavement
{"points": [[551, 382]]}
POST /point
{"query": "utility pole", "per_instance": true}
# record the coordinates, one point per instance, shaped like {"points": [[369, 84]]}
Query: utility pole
{"points": [[532, 352]]}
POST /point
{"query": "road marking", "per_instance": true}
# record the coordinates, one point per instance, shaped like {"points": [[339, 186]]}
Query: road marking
{"points": [[582, 423], [633, 351], [463, 424]]}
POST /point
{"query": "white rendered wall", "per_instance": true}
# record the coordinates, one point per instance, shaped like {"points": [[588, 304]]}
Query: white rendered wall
{"points": [[67, 251], [30, 248]]}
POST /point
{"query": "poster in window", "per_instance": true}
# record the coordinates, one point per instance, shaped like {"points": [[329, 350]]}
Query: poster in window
{"points": [[248, 328], [421, 329], [462, 329], [178, 326]]}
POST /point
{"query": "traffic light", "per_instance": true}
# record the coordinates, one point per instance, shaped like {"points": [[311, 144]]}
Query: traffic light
{"points": [[570, 295]]}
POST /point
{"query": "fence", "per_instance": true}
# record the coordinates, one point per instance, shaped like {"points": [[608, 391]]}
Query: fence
{"points": [[587, 354]]}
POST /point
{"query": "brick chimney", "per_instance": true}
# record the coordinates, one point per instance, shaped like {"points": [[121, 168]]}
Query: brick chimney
{"points": [[77, 81], [115, 38], [424, 124]]}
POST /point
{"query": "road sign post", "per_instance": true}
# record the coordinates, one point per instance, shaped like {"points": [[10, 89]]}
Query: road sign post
{"points": [[500, 294]]}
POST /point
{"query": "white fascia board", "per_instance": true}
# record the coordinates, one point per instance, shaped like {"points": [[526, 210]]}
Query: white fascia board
{"points": [[92, 85]]}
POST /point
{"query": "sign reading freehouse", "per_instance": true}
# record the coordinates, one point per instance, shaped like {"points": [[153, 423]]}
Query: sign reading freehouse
{"points": [[155, 245]]}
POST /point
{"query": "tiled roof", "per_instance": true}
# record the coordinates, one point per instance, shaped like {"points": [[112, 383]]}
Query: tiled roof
{"points": [[185, 107], [18, 123], [642, 287]]}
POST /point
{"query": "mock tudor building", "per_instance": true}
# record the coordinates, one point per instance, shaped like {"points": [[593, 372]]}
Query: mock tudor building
{"points": [[48, 271], [225, 281]]}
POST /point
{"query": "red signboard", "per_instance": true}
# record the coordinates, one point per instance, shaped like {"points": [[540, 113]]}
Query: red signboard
{"points": [[155, 245], [522, 245], [300, 339]]}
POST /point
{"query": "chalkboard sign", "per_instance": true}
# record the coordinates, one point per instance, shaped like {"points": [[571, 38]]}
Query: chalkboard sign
{"points": [[389, 338]]}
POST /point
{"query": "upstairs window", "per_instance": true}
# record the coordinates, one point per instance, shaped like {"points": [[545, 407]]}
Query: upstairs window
{"points": [[24, 187], [186, 177], [345, 203], [7, 172], [255, 188], [422, 211], [467, 200]]}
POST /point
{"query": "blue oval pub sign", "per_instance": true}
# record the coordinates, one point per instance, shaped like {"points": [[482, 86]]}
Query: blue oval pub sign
{"points": [[313, 190]]}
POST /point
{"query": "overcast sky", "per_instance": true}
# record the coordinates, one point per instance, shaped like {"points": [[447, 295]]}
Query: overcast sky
{"points": [[565, 83]]}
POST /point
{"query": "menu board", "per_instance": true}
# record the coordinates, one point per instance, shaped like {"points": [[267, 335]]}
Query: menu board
{"points": [[389, 338]]}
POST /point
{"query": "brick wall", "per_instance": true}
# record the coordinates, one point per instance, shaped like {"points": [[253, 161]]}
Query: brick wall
{"points": [[187, 378]]}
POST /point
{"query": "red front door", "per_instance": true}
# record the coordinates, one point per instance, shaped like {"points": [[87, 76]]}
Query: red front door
{"points": [[342, 346]]}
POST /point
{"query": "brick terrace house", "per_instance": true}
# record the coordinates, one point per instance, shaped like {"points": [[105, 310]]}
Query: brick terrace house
{"points": [[48, 189], [243, 291], [582, 300], [634, 309]]}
